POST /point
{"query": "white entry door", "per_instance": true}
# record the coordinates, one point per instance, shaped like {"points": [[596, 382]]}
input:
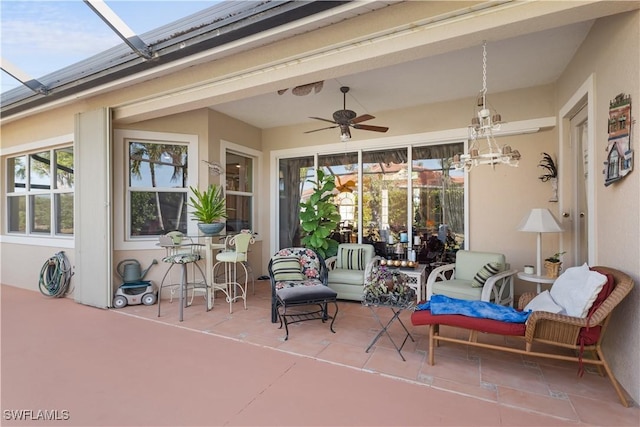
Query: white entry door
{"points": [[579, 213]]}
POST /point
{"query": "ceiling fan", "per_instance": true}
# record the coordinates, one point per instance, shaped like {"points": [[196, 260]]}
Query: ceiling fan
{"points": [[344, 119]]}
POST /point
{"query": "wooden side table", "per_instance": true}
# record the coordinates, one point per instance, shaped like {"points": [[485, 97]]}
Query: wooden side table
{"points": [[538, 280]]}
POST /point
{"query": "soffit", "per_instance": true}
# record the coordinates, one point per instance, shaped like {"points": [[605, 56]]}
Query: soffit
{"points": [[424, 60]]}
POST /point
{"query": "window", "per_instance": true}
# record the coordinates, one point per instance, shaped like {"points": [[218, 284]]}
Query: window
{"points": [[344, 166], [239, 176], [157, 188], [438, 194], [40, 193], [293, 187], [384, 193]]}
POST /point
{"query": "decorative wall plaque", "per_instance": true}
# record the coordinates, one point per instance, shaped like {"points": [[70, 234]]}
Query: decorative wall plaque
{"points": [[619, 161]]}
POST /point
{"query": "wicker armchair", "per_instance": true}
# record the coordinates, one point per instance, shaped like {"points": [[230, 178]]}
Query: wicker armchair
{"points": [[556, 330]]}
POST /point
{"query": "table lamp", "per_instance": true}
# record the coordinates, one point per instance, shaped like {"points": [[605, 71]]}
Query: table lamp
{"points": [[540, 221]]}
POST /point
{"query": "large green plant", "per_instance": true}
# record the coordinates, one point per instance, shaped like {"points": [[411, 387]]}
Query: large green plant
{"points": [[208, 206], [319, 216]]}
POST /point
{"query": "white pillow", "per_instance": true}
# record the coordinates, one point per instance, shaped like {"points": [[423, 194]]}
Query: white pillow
{"points": [[576, 289], [544, 302]]}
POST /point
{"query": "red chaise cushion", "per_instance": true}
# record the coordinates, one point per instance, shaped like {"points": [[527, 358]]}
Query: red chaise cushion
{"points": [[424, 317]]}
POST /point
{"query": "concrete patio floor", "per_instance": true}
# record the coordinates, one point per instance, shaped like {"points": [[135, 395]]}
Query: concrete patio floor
{"points": [[90, 367]]}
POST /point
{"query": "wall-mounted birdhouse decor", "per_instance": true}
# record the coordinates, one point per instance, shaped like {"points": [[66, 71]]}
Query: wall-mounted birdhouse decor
{"points": [[619, 161]]}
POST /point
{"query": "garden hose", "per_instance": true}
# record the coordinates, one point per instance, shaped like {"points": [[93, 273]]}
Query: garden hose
{"points": [[55, 276]]}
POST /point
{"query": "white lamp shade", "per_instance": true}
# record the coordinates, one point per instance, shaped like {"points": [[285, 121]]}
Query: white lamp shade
{"points": [[540, 221]]}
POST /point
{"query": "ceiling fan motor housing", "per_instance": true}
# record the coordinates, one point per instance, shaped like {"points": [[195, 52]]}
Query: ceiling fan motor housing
{"points": [[344, 116]]}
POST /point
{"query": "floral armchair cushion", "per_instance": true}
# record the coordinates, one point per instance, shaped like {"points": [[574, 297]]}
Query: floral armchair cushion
{"points": [[313, 273], [313, 270]]}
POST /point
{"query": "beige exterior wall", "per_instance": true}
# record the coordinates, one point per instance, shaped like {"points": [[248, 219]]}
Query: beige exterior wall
{"points": [[21, 264], [611, 52]]}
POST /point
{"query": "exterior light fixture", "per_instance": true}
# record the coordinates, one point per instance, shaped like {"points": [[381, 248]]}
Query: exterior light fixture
{"points": [[484, 149]]}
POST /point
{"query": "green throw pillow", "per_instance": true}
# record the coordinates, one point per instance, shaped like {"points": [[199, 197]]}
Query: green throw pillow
{"points": [[351, 259], [484, 273], [286, 268]]}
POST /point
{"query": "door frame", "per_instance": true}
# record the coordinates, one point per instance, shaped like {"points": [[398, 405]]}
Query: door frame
{"points": [[584, 95]]}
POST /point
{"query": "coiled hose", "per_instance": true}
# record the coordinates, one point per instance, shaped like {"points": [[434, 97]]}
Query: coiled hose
{"points": [[55, 276]]}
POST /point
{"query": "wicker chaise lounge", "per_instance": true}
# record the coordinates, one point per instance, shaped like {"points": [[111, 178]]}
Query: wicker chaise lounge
{"points": [[584, 335]]}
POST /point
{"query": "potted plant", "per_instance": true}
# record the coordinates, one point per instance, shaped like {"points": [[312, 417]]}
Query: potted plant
{"points": [[319, 216], [209, 207], [553, 264]]}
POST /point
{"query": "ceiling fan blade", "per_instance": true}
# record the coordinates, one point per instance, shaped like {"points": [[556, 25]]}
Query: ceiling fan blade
{"points": [[362, 118], [373, 128], [324, 120], [316, 130]]}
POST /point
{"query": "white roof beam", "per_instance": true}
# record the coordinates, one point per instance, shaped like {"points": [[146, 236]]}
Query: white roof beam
{"points": [[120, 28], [23, 77]]}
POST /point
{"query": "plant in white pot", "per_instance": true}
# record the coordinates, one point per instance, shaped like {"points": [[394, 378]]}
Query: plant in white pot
{"points": [[209, 207]]}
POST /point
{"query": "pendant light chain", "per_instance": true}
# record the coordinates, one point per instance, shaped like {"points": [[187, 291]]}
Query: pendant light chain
{"points": [[484, 72]]}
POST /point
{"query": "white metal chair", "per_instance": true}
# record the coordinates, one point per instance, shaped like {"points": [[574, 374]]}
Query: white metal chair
{"points": [[229, 260]]}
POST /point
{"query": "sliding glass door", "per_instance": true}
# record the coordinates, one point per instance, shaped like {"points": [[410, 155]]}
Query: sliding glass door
{"points": [[404, 194]]}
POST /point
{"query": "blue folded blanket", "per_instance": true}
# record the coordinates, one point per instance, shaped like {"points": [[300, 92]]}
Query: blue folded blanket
{"points": [[440, 304]]}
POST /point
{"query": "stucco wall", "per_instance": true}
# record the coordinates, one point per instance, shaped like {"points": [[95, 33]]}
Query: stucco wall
{"points": [[611, 52], [21, 264]]}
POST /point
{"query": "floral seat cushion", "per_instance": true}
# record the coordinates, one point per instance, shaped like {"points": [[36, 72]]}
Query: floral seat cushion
{"points": [[284, 284], [182, 258]]}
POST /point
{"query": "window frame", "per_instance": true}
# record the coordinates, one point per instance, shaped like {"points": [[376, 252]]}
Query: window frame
{"points": [[122, 137], [52, 237], [256, 157]]}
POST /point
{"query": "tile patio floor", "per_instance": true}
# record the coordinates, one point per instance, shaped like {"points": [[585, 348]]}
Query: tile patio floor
{"points": [[130, 367]]}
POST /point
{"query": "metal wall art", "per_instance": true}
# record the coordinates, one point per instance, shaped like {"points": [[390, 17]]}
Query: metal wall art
{"points": [[619, 161], [550, 174]]}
